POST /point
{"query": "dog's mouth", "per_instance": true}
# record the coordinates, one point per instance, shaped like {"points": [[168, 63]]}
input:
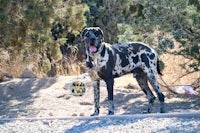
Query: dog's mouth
{"points": [[93, 49]]}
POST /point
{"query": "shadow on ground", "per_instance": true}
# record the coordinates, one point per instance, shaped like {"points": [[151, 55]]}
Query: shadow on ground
{"points": [[91, 125], [15, 96], [174, 103], [136, 102]]}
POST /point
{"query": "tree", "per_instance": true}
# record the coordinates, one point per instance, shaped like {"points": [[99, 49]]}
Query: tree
{"points": [[28, 28], [176, 21], [109, 13]]}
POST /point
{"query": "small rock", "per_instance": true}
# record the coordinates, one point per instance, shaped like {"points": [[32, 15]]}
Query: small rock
{"points": [[131, 86], [81, 114], [27, 73], [74, 114], [50, 114]]}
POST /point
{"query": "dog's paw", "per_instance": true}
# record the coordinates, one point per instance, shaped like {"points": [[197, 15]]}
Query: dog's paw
{"points": [[149, 108], [162, 110], [94, 114], [110, 113], [145, 112]]}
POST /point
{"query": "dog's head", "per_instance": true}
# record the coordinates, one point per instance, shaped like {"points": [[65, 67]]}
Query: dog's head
{"points": [[92, 38]]}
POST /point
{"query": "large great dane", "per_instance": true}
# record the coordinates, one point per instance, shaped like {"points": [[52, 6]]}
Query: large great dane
{"points": [[105, 62]]}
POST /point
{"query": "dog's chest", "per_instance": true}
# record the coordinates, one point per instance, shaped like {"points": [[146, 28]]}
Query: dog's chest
{"points": [[100, 61], [101, 65]]}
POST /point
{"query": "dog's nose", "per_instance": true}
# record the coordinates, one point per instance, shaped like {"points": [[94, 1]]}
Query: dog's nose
{"points": [[92, 39]]}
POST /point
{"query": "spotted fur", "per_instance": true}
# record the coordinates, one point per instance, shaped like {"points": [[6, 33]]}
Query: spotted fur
{"points": [[106, 62]]}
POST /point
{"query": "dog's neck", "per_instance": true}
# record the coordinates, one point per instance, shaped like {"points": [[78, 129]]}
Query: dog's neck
{"points": [[93, 55]]}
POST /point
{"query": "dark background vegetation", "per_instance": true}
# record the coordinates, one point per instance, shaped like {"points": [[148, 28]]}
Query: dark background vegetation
{"points": [[45, 33]]}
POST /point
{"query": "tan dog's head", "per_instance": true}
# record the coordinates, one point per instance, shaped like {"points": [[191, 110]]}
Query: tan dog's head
{"points": [[92, 38]]}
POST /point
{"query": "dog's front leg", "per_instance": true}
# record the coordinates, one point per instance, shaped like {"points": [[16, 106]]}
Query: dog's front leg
{"points": [[110, 83], [96, 97]]}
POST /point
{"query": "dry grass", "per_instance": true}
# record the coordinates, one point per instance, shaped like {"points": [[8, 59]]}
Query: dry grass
{"points": [[173, 71], [66, 66], [70, 66], [15, 67]]}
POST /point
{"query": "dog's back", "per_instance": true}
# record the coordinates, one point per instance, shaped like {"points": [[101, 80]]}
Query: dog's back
{"points": [[132, 55]]}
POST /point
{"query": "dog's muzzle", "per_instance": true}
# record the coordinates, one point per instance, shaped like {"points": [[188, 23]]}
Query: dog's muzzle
{"points": [[92, 47]]}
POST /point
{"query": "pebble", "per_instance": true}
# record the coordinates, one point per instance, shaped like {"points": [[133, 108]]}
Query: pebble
{"points": [[146, 125]]}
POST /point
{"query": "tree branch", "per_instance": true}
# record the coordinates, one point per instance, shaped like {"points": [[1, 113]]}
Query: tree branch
{"points": [[167, 86], [183, 76]]}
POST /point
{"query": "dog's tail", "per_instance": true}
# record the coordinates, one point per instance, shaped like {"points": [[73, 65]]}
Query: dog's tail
{"points": [[158, 68]]}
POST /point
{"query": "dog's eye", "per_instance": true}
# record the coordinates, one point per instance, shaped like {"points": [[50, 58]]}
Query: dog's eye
{"points": [[96, 33], [87, 34]]}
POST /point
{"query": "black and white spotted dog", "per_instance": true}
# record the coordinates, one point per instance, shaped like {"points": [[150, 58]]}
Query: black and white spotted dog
{"points": [[105, 61]]}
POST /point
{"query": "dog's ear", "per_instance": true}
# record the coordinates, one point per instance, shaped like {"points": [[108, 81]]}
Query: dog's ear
{"points": [[83, 34], [100, 31]]}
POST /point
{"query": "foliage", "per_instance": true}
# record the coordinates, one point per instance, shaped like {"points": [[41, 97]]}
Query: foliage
{"points": [[29, 27], [109, 13], [180, 19], [160, 23], [38, 28], [175, 21]]}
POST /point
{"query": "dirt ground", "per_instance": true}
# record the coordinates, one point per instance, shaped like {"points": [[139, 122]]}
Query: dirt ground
{"points": [[45, 97]]}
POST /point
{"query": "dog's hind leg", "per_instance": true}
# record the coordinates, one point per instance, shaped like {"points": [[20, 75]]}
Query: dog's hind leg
{"points": [[154, 83], [96, 97], [109, 84], [141, 78]]}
